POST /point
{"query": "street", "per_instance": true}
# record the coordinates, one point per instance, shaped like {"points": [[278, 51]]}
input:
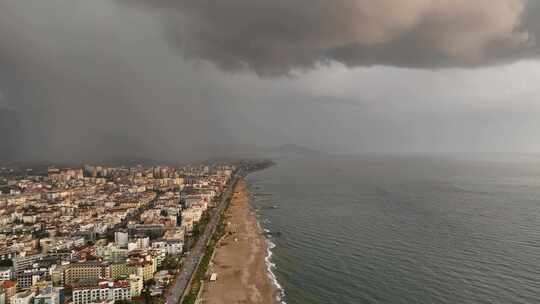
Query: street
{"points": [[191, 261]]}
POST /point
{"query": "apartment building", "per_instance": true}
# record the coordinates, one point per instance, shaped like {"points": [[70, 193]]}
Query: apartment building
{"points": [[85, 271], [103, 291]]}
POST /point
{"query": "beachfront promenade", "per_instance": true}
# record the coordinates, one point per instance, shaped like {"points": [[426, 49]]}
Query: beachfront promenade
{"points": [[192, 260]]}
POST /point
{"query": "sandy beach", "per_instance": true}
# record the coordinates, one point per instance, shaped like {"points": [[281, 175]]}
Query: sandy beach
{"points": [[239, 259]]}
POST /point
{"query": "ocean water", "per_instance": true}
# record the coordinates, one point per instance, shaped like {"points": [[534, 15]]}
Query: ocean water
{"points": [[402, 230]]}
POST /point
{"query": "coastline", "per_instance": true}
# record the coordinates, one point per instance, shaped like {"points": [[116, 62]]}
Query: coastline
{"points": [[242, 258], [279, 293]]}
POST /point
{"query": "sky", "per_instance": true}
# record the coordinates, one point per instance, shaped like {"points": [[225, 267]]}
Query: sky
{"points": [[192, 79]]}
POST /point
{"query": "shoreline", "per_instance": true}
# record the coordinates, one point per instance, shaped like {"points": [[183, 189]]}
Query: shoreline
{"points": [[242, 258], [279, 293]]}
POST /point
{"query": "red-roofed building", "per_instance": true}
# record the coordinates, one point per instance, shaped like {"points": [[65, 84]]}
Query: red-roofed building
{"points": [[10, 288]]}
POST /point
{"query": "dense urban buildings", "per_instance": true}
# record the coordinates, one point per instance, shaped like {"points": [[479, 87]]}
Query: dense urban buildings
{"points": [[100, 234]]}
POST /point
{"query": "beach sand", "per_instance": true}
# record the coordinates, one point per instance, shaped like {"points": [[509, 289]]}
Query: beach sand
{"points": [[239, 259]]}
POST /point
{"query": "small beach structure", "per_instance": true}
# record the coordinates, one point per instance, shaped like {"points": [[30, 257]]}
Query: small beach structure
{"points": [[213, 277]]}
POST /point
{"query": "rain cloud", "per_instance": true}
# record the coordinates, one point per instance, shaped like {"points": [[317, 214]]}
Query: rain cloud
{"points": [[275, 37]]}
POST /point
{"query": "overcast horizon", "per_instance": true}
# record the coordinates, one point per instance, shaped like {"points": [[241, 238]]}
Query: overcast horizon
{"points": [[180, 80]]}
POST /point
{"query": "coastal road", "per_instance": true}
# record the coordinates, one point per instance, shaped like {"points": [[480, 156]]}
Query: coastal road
{"points": [[191, 261]]}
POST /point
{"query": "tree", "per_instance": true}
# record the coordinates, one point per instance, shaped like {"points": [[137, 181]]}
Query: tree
{"points": [[6, 263]]}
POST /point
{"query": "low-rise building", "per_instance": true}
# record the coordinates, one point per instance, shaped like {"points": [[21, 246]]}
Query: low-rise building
{"points": [[122, 270], [103, 291], [27, 278], [2, 295], [121, 239], [10, 289], [50, 295], [136, 285], [6, 273], [85, 271], [24, 297]]}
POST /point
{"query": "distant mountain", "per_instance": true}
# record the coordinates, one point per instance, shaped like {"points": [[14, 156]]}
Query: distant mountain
{"points": [[242, 152], [288, 150], [292, 148]]}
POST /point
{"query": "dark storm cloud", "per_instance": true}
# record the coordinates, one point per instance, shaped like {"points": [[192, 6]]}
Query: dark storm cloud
{"points": [[88, 80], [11, 135], [274, 37], [94, 80]]}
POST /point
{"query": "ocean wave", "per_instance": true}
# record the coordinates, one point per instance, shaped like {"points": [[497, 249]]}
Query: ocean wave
{"points": [[270, 266]]}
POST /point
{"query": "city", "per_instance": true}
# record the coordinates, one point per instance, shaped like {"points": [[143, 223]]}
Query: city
{"points": [[269, 152], [100, 234]]}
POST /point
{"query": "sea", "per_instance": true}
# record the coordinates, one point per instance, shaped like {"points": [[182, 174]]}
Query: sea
{"points": [[352, 229]]}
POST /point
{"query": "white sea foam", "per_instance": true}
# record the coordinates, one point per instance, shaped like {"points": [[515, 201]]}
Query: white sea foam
{"points": [[270, 266]]}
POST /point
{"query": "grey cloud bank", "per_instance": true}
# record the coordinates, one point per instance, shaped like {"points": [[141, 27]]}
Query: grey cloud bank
{"points": [[94, 80], [274, 37]]}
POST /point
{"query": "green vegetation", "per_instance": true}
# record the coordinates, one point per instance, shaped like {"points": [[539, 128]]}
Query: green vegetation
{"points": [[6, 263], [109, 236], [171, 262], [199, 227], [40, 234], [4, 186], [147, 298]]}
